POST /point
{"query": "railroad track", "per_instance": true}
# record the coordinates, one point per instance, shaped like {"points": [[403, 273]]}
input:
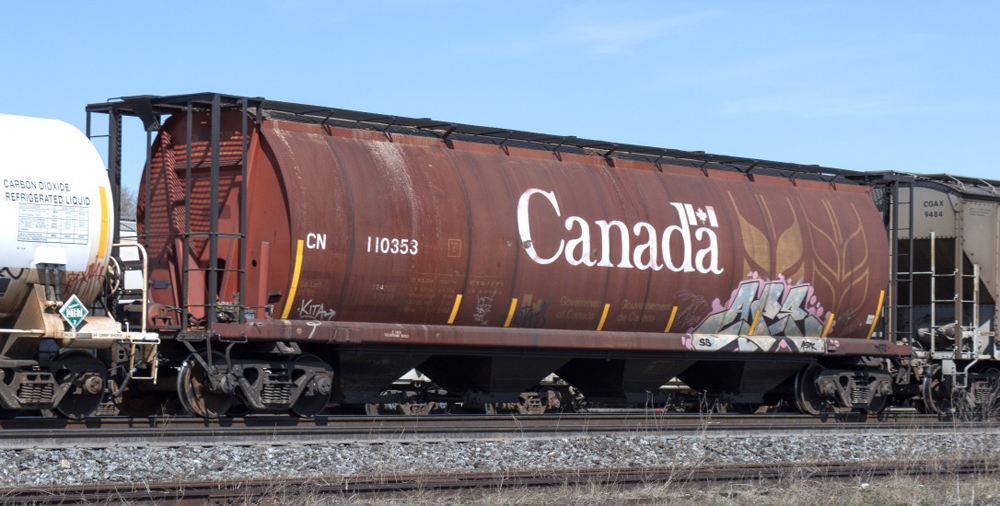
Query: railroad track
{"points": [[103, 432], [246, 490]]}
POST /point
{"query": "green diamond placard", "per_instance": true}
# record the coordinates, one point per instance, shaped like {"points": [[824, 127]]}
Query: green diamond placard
{"points": [[74, 311]]}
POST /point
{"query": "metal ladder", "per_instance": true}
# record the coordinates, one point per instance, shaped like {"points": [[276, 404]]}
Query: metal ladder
{"points": [[150, 109], [967, 337], [213, 271], [901, 281], [139, 263], [903, 277]]}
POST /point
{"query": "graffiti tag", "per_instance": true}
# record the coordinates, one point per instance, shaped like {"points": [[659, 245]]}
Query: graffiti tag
{"points": [[84, 282], [310, 311], [6, 277], [780, 310], [483, 308], [6, 272], [530, 316]]}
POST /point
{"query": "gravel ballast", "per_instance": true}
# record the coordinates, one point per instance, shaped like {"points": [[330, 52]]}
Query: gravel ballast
{"points": [[165, 463]]}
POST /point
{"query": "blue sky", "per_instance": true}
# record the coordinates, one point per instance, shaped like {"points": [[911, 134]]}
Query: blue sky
{"points": [[906, 86]]}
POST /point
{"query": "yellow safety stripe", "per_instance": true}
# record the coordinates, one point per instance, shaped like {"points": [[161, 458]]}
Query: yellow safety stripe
{"points": [[753, 325], [510, 314], [454, 310], [604, 316], [289, 302], [826, 329], [670, 322], [102, 244], [878, 311]]}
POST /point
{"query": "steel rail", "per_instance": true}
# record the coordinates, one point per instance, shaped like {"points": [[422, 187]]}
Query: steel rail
{"points": [[110, 432], [627, 416], [243, 490]]}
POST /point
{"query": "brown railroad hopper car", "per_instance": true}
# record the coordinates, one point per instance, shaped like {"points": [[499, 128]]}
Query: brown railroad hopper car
{"points": [[488, 266]]}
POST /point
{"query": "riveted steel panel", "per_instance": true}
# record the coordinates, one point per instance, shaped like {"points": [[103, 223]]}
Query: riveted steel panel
{"points": [[933, 211], [981, 241]]}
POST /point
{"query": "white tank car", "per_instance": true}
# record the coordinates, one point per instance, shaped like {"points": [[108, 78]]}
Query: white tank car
{"points": [[57, 211], [56, 236]]}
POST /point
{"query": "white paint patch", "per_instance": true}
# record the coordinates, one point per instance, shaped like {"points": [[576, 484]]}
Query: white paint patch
{"points": [[391, 157]]}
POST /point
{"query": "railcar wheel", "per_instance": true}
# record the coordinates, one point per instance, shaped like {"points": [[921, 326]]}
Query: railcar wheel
{"points": [[6, 414], [806, 398], [991, 406], [87, 376], [555, 400], [877, 405], [194, 393], [319, 392], [936, 391]]}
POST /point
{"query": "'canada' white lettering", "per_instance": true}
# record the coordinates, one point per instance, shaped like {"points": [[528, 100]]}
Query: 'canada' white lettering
{"points": [[699, 250], [525, 229]]}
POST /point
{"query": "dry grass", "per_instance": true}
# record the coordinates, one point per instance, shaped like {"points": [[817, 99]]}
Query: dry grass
{"points": [[943, 490]]}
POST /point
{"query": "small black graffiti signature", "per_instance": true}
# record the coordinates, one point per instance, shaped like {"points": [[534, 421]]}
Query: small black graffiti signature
{"points": [[529, 317]]}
